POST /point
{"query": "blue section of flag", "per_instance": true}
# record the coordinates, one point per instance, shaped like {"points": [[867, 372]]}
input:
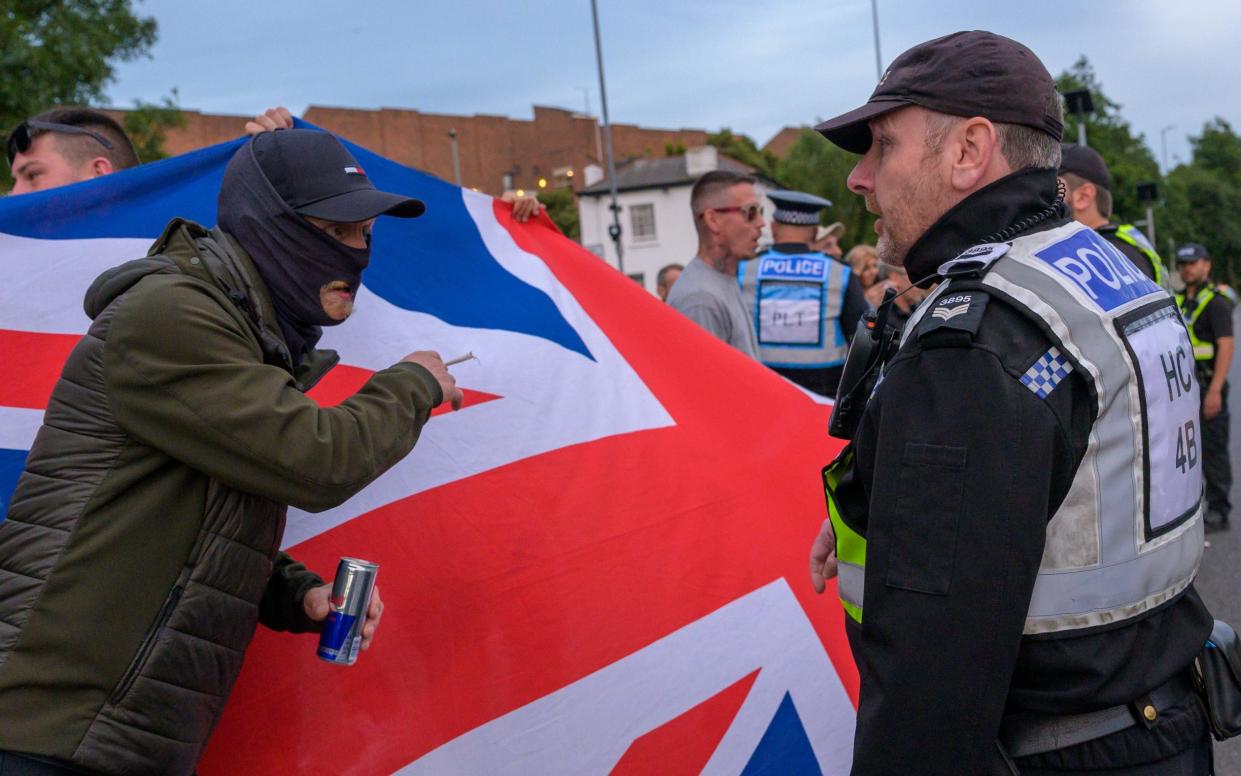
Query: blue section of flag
{"points": [[785, 748], [421, 264], [11, 464]]}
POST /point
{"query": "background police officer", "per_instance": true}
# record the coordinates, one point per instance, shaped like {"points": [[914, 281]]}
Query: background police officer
{"points": [[1208, 314], [1004, 572], [1089, 197], [805, 304]]}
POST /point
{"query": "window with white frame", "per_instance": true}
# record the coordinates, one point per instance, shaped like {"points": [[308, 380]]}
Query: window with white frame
{"points": [[642, 222]]}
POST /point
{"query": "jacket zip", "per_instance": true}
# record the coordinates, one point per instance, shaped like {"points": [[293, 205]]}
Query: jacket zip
{"points": [[148, 643]]}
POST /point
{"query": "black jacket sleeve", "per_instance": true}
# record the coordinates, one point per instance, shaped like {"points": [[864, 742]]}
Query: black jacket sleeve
{"points": [[281, 606], [966, 465]]}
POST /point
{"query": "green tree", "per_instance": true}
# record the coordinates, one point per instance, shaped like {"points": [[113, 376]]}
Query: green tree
{"points": [[745, 150], [63, 53], [1204, 198], [1128, 159], [562, 209], [147, 123], [818, 167]]}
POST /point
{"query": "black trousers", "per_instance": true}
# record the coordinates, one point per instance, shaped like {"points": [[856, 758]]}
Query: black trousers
{"points": [[1216, 463]]}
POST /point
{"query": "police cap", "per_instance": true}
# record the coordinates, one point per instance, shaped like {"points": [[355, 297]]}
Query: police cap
{"points": [[973, 73], [1191, 252], [1085, 163], [797, 207]]}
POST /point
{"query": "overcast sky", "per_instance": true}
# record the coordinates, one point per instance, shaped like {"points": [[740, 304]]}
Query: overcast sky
{"points": [[752, 66]]}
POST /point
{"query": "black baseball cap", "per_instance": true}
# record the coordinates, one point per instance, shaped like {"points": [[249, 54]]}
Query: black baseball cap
{"points": [[316, 176], [1191, 252], [1085, 162], [973, 73]]}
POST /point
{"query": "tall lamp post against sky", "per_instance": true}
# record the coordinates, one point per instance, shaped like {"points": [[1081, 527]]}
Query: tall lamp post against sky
{"points": [[1163, 142], [615, 229], [874, 15]]}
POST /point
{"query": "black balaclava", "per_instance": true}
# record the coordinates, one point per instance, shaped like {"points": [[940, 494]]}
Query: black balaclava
{"points": [[294, 258]]}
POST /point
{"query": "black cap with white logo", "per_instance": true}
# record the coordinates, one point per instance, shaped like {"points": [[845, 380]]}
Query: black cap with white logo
{"points": [[316, 176], [973, 73], [1191, 252]]}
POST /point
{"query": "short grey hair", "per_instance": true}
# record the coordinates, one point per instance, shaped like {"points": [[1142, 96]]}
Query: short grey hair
{"points": [[1023, 147]]}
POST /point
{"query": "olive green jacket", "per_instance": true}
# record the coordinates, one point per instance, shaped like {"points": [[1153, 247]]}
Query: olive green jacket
{"points": [[141, 546]]}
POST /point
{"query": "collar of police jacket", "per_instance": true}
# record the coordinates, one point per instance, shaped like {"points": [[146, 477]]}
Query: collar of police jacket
{"points": [[991, 209]]}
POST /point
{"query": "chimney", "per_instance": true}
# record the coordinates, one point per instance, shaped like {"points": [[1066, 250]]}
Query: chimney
{"points": [[593, 173], [701, 160]]}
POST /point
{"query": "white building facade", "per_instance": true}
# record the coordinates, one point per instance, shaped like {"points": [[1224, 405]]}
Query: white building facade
{"points": [[657, 227]]}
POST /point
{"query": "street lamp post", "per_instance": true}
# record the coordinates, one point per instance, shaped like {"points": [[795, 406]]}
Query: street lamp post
{"points": [[1080, 104], [615, 229], [1163, 142], [874, 15]]}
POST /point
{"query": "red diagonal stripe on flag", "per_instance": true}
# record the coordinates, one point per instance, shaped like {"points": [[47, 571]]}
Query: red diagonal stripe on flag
{"points": [[684, 745], [344, 381]]}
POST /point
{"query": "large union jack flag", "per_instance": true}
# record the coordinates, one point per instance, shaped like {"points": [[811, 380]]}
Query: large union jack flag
{"points": [[597, 566]]}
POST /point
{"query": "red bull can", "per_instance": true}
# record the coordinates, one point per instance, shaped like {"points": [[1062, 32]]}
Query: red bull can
{"points": [[341, 638]]}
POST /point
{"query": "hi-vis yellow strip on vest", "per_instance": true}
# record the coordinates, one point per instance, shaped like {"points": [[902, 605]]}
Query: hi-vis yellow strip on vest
{"points": [[850, 545]]}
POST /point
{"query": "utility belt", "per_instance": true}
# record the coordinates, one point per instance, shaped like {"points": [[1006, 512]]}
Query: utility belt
{"points": [[1214, 680], [1026, 734]]}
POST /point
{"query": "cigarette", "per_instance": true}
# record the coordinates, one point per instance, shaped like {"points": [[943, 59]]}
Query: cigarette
{"points": [[460, 359]]}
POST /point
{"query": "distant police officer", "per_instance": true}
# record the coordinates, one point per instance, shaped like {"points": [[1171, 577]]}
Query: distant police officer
{"points": [[1018, 594], [1208, 314], [1089, 197], [804, 305]]}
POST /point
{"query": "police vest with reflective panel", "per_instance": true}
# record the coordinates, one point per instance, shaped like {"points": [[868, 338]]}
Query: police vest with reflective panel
{"points": [[1203, 350], [796, 300], [1128, 535], [1132, 235]]}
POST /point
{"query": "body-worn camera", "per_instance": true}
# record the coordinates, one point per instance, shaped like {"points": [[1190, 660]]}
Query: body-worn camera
{"points": [[873, 343]]}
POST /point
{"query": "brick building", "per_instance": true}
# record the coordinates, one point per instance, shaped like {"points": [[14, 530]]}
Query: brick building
{"points": [[495, 151], [784, 140]]}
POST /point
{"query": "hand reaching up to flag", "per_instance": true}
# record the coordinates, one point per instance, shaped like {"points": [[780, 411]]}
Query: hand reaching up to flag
{"points": [[433, 363]]}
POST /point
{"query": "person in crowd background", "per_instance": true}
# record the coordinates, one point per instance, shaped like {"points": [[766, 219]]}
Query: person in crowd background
{"points": [[1208, 316], [805, 304], [667, 276], [729, 220]]}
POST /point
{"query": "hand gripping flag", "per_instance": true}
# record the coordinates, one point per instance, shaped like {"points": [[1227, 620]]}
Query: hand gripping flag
{"points": [[597, 566]]}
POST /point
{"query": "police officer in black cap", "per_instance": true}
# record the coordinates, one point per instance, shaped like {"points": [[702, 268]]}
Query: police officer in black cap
{"points": [[805, 304], [1088, 189], [1208, 315], [1017, 599]]}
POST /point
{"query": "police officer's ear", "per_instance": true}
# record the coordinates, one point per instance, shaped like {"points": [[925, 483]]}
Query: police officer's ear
{"points": [[1083, 197], [975, 154]]}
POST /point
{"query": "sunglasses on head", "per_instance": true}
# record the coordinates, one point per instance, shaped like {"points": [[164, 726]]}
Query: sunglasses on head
{"points": [[21, 138], [748, 212]]}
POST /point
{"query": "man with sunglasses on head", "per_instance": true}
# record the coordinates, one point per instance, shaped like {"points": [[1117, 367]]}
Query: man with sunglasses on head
{"points": [[66, 145], [729, 219]]}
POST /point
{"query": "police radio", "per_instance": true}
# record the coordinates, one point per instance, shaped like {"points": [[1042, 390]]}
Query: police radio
{"points": [[873, 343]]}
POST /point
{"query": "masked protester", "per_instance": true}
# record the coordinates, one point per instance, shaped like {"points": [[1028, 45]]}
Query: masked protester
{"points": [[141, 548]]}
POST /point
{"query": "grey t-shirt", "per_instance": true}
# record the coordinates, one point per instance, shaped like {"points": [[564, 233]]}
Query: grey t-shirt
{"points": [[712, 300]]}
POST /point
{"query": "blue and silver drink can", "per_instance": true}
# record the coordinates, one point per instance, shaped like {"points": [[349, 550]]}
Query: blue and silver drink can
{"points": [[341, 638]]}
